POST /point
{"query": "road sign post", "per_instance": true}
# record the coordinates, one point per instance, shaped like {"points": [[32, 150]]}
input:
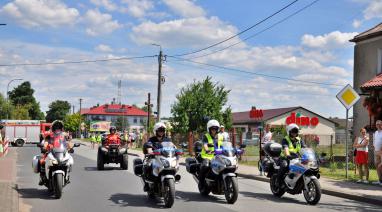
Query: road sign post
{"points": [[348, 97]]}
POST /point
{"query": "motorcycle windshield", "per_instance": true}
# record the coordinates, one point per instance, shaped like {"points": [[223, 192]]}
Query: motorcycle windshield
{"points": [[59, 151], [227, 149], [168, 149], [308, 158]]}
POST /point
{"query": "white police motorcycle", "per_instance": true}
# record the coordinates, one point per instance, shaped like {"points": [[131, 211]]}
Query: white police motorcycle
{"points": [[159, 170], [58, 165], [302, 177], [221, 178]]}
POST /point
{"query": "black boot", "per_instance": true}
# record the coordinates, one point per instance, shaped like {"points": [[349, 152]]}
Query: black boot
{"points": [[42, 177]]}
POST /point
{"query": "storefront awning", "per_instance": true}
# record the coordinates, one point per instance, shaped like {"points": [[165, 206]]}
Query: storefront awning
{"points": [[375, 83]]}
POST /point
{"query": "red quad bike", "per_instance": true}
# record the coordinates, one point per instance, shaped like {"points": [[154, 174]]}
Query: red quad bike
{"points": [[112, 152]]}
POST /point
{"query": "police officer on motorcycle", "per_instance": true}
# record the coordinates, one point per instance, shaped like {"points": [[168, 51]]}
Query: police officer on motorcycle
{"points": [[291, 146], [211, 140], [152, 144]]}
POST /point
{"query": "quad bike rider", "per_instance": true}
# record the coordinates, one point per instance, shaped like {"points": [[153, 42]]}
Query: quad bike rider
{"points": [[112, 151]]}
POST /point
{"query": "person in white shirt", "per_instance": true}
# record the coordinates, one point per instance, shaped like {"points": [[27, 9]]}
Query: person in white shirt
{"points": [[224, 134], [267, 137], [378, 150]]}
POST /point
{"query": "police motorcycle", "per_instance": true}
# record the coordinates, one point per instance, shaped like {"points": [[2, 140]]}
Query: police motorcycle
{"points": [[221, 178], [159, 171], [302, 177], [58, 165]]}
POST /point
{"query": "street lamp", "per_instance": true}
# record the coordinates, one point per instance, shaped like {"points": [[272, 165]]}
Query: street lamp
{"points": [[8, 91]]}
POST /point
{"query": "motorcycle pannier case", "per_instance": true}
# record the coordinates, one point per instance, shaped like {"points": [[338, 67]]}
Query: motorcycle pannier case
{"points": [[138, 166], [272, 149], [191, 165], [36, 164]]}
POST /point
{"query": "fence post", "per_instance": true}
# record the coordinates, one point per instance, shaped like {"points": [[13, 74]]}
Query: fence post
{"points": [[190, 142], [233, 137], [331, 148], [241, 138]]}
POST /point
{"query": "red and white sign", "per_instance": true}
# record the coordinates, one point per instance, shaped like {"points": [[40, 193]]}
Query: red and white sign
{"points": [[256, 114], [302, 120]]}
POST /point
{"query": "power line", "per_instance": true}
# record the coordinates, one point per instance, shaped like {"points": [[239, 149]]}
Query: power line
{"points": [[208, 69], [241, 32], [258, 33], [76, 62], [255, 73]]}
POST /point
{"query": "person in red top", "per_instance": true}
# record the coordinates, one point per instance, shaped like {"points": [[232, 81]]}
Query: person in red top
{"points": [[113, 137], [56, 135]]}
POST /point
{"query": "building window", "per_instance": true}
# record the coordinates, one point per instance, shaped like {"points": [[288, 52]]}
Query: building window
{"points": [[141, 120], [135, 120]]}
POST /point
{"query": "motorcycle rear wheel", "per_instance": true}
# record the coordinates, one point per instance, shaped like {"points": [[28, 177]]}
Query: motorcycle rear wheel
{"points": [[231, 189], [313, 196], [100, 164], [276, 190], [169, 192]]}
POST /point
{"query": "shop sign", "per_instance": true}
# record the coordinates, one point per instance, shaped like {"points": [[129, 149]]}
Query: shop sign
{"points": [[302, 120], [100, 126], [256, 114]]}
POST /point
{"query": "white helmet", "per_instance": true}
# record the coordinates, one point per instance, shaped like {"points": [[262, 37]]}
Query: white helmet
{"points": [[212, 123], [159, 125], [290, 127]]}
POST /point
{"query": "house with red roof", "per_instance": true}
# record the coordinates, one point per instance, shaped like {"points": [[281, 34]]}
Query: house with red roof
{"points": [[311, 124], [368, 78], [135, 117]]}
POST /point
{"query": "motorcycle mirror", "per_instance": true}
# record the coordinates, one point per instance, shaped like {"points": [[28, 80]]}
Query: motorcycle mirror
{"points": [[76, 145]]}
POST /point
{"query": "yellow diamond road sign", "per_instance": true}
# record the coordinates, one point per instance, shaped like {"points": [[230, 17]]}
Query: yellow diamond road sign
{"points": [[348, 96]]}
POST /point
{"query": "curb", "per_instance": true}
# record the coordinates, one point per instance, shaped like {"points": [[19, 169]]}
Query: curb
{"points": [[359, 198]]}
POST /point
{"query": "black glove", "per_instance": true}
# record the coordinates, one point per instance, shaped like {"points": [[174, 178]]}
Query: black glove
{"points": [[289, 157]]}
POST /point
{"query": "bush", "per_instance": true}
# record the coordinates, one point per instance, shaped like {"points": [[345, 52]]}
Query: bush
{"points": [[333, 167]]}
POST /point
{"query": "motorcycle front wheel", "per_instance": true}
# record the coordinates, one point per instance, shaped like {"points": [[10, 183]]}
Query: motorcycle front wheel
{"points": [[58, 184], [276, 190], [169, 192], [313, 194], [231, 189]]}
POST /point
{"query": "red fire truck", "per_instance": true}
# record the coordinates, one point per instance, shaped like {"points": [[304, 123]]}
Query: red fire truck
{"points": [[20, 132]]}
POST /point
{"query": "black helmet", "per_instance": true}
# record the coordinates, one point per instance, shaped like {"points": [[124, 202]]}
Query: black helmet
{"points": [[112, 128], [57, 125]]}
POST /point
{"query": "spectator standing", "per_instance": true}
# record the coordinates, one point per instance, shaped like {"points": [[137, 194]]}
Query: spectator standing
{"points": [[1, 140], [378, 151], [224, 134], [267, 137], [361, 159]]}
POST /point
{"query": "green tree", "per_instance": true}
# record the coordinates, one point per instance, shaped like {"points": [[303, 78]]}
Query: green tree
{"points": [[5, 108], [21, 112], [122, 123], [22, 95], [72, 122], [57, 110], [198, 102]]}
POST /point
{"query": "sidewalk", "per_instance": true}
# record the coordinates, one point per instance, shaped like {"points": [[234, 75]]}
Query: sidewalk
{"points": [[344, 189], [9, 201]]}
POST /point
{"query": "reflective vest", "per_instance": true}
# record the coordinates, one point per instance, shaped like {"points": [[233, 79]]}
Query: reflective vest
{"points": [[292, 149], [93, 138], [204, 154], [98, 138]]}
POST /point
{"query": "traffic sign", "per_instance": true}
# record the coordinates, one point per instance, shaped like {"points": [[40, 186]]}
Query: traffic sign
{"points": [[348, 96]]}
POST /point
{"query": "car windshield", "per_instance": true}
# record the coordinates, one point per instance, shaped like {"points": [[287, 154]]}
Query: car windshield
{"points": [[227, 149], [168, 149]]}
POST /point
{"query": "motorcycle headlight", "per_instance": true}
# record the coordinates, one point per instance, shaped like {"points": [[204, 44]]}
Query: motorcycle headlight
{"points": [[165, 163], [173, 163], [234, 162], [54, 162]]}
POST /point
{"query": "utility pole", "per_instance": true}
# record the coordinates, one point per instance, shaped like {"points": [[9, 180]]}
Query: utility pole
{"points": [[149, 105], [160, 61], [73, 109], [79, 127]]}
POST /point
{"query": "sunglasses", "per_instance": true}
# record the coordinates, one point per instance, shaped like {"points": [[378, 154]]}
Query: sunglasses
{"points": [[215, 128], [161, 130]]}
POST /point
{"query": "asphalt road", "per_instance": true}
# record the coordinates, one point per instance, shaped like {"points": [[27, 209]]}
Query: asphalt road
{"points": [[117, 190]]}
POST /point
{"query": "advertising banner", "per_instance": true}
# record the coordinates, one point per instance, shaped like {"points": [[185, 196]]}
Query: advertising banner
{"points": [[99, 126]]}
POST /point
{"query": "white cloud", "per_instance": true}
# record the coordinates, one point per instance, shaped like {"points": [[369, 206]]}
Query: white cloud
{"points": [[99, 23], [357, 23], [137, 8], [332, 40], [39, 13], [103, 48], [185, 8], [374, 10], [191, 32], [107, 4]]}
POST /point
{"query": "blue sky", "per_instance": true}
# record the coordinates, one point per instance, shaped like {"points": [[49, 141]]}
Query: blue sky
{"points": [[313, 45]]}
